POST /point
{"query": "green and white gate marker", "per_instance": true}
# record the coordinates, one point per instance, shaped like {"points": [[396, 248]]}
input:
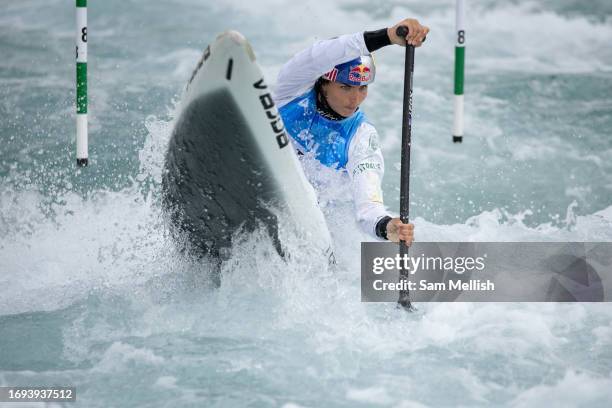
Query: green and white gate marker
{"points": [[81, 82], [459, 74]]}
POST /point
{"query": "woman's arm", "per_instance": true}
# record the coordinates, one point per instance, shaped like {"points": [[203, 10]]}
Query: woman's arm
{"points": [[366, 169], [301, 71]]}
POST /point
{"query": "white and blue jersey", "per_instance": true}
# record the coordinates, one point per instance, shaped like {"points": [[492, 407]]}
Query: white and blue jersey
{"points": [[350, 145], [328, 139]]}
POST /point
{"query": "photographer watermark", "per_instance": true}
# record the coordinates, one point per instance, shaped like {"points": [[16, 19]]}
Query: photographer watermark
{"points": [[488, 272]]}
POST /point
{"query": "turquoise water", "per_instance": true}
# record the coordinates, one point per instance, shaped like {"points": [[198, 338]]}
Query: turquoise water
{"points": [[93, 294]]}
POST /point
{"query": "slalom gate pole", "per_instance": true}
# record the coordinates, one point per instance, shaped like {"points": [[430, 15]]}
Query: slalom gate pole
{"points": [[81, 83], [402, 31], [459, 74]]}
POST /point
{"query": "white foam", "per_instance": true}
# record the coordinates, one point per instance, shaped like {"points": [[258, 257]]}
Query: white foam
{"points": [[371, 395], [166, 381], [105, 263], [574, 389], [119, 354]]}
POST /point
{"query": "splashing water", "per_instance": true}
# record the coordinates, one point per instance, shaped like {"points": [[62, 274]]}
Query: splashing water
{"points": [[95, 295]]}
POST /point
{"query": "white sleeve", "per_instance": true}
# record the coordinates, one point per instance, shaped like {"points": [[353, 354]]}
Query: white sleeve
{"points": [[301, 71], [366, 168]]}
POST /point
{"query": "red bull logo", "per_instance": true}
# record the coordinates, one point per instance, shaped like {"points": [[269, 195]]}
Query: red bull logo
{"points": [[360, 73]]}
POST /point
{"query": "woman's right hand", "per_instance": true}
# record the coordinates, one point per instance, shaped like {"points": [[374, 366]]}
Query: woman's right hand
{"points": [[397, 230], [416, 33]]}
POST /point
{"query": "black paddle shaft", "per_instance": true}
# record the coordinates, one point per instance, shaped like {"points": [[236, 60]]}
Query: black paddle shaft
{"points": [[402, 31]]}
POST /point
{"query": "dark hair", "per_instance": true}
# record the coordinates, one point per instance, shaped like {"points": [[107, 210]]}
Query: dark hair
{"points": [[319, 84], [322, 106]]}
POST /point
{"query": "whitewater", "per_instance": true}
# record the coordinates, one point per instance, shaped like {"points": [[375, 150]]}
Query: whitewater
{"points": [[95, 295]]}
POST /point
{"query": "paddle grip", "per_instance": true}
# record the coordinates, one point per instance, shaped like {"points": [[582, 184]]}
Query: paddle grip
{"points": [[402, 31]]}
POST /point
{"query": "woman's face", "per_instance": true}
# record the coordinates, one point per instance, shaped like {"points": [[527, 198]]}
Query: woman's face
{"points": [[344, 99]]}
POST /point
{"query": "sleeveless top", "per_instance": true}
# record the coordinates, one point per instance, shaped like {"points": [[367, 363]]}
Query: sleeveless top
{"points": [[329, 139]]}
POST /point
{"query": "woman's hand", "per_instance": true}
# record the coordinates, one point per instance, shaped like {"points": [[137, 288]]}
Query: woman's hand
{"points": [[397, 230], [416, 33]]}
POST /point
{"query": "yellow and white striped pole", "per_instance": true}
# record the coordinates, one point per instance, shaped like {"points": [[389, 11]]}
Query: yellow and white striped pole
{"points": [[459, 74], [81, 82]]}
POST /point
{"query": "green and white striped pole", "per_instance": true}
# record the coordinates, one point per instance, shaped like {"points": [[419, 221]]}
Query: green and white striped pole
{"points": [[81, 82], [459, 74]]}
